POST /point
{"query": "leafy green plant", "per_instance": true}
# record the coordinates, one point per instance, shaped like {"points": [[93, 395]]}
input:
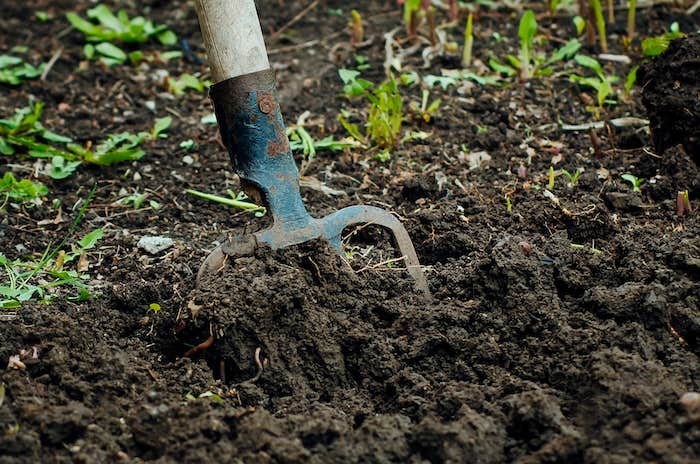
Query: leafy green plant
{"points": [[636, 182], [136, 200], [572, 177], [301, 140], [14, 71], [602, 83], [630, 80], [24, 131], [178, 86], [21, 191], [385, 116], [26, 279], [108, 27], [237, 201], [528, 64], [655, 46], [426, 109], [160, 126]]}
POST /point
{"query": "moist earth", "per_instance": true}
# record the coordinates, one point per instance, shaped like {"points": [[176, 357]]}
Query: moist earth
{"points": [[561, 328]]}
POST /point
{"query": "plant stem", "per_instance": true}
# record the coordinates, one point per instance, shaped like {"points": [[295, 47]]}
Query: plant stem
{"points": [[468, 43], [227, 201], [631, 19], [600, 22]]}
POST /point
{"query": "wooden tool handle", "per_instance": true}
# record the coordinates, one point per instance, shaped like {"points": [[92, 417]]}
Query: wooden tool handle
{"points": [[232, 36]]}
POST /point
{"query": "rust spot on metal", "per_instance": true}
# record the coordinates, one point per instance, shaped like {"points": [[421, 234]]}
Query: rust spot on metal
{"points": [[266, 103]]}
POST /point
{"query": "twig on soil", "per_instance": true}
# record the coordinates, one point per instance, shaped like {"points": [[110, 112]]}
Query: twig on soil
{"points": [[296, 18], [693, 8], [56, 55], [201, 347], [382, 263]]}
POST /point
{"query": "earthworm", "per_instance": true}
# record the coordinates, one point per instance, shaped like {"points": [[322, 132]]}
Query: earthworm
{"points": [[201, 347]]}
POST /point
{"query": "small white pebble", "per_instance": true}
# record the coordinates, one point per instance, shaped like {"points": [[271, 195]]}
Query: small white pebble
{"points": [[690, 400], [187, 159], [137, 177], [151, 105], [15, 363], [155, 245]]}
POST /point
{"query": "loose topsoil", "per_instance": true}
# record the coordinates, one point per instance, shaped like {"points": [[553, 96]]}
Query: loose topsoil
{"points": [[560, 329]]}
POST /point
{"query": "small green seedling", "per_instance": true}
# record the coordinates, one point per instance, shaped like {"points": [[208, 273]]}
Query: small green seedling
{"points": [[178, 86], [237, 201], [385, 114], [27, 279], [600, 24], [14, 71], [468, 43], [108, 27], [630, 80], [153, 307], [550, 183], [683, 206], [655, 46], [357, 30], [160, 126], [188, 145], [528, 64], [22, 191], [572, 177], [602, 83], [426, 109], [136, 200], [636, 182]]}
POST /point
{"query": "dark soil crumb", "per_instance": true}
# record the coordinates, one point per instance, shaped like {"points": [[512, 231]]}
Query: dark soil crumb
{"points": [[671, 95]]}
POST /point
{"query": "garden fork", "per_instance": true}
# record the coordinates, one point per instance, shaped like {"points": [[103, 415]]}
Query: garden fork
{"points": [[247, 109]]}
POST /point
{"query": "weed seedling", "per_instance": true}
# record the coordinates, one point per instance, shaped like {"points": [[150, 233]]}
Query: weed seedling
{"points": [[385, 114], [631, 19], [178, 86], [26, 279], [683, 205], [550, 183], [108, 27], [22, 191], [468, 43], [600, 24], [636, 182], [655, 46], [14, 71], [426, 108], [237, 201], [357, 30], [572, 177], [602, 83], [528, 64]]}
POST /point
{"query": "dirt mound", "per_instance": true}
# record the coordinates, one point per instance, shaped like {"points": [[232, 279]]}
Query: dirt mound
{"points": [[671, 95]]}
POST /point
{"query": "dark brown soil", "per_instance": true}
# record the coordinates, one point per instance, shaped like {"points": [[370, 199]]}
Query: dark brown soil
{"points": [[562, 330], [672, 96]]}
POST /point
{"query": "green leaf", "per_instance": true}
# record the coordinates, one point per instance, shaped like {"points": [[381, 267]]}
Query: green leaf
{"points": [[565, 52], [588, 62], [90, 239], [527, 30], [111, 51], [160, 126], [630, 80], [60, 168], [167, 38], [6, 61], [502, 68], [580, 24], [89, 51], [443, 81]]}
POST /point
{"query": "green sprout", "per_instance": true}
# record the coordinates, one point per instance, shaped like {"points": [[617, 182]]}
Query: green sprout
{"points": [[600, 24], [177, 86], [14, 71], [22, 191], [29, 278], [631, 19], [572, 177], [385, 114], [426, 109], [108, 27], [655, 46], [528, 64], [602, 83], [237, 201], [550, 183], [636, 182], [24, 131], [468, 43]]}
